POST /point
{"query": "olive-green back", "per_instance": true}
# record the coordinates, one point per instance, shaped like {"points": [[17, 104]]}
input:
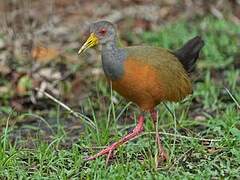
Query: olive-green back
{"points": [[173, 76]]}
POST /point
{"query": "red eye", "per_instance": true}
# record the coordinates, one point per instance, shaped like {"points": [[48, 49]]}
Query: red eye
{"points": [[102, 31]]}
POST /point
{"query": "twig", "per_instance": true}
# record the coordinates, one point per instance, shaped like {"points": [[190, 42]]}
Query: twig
{"points": [[162, 133], [75, 114], [184, 137], [170, 111], [233, 98]]}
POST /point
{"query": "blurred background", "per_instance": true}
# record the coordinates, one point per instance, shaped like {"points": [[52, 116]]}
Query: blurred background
{"points": [[39, 41]]}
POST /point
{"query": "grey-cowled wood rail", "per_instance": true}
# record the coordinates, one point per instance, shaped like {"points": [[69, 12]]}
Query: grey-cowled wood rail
{"points": [[144, 75]]}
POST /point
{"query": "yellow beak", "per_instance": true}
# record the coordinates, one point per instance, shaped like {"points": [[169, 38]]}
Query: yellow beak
{"points": [[91, 41]]}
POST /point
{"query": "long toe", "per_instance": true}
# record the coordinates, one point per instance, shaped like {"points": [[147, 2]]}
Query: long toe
{"points": [[107, 151], [90, 158]]}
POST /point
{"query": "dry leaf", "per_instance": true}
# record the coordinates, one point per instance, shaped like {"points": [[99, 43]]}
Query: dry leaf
{"points": [[44, 55], [49, 74]]}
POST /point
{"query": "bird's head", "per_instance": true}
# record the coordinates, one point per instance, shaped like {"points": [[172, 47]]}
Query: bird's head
{"points": [[101, 32]]}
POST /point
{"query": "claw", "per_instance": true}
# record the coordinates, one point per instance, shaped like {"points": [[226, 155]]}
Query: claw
{"points": [[90, 158], [164, 156], [109, 150]]}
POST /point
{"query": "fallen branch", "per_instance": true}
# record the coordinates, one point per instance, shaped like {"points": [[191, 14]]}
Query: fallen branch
{"points": [[184, 137], [233, 98], [75, 114]]}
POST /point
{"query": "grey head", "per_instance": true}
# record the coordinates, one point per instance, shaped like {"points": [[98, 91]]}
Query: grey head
{"points": [[104, 33], [101, 32]]}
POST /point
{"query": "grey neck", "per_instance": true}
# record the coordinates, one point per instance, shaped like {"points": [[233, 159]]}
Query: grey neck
{"points": [[110, 46], [112, 60]]}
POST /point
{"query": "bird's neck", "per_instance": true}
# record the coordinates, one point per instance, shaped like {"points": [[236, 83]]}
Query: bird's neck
{"points": [[110, 46], [112, 60]]}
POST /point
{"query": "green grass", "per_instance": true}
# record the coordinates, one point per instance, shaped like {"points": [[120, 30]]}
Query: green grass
{"points": [[210, 113]]}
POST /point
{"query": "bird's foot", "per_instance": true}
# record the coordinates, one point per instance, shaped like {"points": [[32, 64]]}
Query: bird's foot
{"points": [[162, 155], [109, 150], [161, 152]]}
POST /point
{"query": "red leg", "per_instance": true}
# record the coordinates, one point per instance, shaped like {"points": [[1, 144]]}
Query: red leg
{"points": [[136, 131], [163, 154]]}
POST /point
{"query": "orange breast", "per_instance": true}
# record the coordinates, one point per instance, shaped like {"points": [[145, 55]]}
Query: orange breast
{"points": [[140, 84]]}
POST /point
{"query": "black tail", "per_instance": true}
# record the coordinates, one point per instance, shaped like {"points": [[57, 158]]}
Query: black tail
{"points": [[189, 53]]}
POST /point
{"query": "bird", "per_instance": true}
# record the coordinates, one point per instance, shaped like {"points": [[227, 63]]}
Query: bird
{"points": [[144, 75]]}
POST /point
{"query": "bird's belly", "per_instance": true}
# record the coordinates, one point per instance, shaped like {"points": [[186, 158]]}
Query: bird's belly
{"points": [[139, 84]]}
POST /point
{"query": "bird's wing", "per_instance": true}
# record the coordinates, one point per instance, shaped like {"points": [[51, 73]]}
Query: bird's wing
{"points": [[169, 69]]}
